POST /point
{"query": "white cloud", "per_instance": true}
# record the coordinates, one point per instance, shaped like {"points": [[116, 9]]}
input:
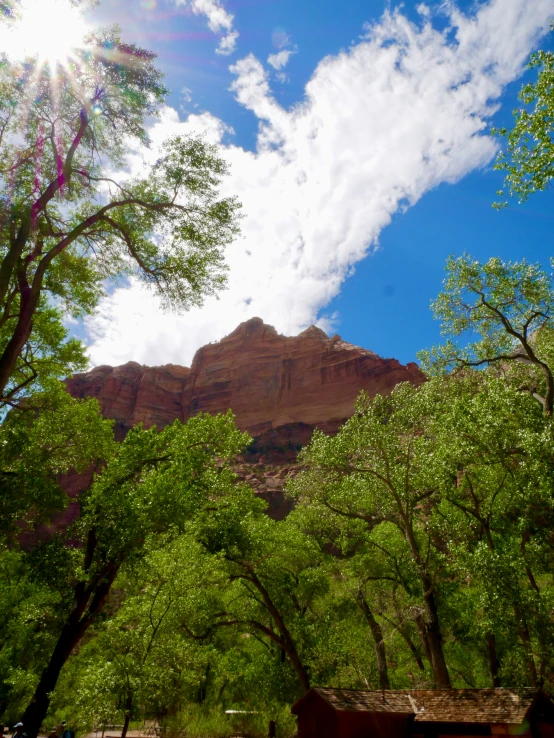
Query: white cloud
{"points": [[228, 43], [280, 38], [219, 21], [381, 124], [281, 58]]}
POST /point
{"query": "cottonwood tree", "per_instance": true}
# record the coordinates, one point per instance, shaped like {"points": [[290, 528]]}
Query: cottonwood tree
{"points": [[510, 308], [69, 221], [42, 441], [36, 447], [373, 586], [140, 659], [375, 471], [495, 450], [49, 354], [273, 570], [446, 488], [529, 159], [151, 486]]}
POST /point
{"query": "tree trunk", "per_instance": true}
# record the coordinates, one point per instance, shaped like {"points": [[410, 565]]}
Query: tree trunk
{"points": [[9, 262], [377, 633], [411, 645], [297, 664], [423, 639], [129, 707], [432, 624], [76, 625], [492, 659], [404, 633], [35, 713], [19, 338], [525, 638], [434, 637], [287, 640]]}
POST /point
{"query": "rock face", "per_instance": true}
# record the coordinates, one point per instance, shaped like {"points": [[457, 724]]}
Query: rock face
{"points": [[280, 388], [268, 380]]}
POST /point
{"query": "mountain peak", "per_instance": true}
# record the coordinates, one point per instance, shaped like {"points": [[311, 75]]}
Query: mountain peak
{"points": [[254, 328], [268, 380], [279, 387]]}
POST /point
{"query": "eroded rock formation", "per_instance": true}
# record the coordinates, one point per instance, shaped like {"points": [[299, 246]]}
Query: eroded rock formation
{"points": [[280, 388]]}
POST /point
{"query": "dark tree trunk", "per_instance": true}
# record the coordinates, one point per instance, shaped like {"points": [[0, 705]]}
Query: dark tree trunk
{"points": [[411, 645], [379, 641], [434, 638], [492, 658], [401, 628], [286, 640], [422, 633], [16, 344], [38, 707], [128, 708], [88, 602], [298, 667], [525, 637], [432, 624]]}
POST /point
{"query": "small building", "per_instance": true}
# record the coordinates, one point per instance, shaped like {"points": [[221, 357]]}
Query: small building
{"points": [[430, 713]]}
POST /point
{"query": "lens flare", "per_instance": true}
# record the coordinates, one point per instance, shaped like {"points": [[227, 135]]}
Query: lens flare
{"points": [[46, 29]]}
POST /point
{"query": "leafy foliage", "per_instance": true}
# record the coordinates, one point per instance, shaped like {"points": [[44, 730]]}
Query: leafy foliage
{"points": [[52, 436], [529, 160], [420, 549], [69, 222], [509, 308]]}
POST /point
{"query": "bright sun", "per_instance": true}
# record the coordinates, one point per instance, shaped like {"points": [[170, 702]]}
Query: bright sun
{"points": [[48, 29]]}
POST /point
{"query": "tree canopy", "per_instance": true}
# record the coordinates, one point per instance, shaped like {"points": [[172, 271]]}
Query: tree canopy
{"points": [[150, 486], [508, 308], [69, 220], [529, 158], [419, 551]]}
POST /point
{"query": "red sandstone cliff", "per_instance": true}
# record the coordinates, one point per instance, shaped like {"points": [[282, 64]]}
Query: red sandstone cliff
{"points": [[268, 380], [279, 388]]}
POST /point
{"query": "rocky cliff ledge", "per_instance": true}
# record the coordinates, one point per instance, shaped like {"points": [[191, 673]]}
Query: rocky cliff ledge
{"points": [[268, 380], [280, 388]]}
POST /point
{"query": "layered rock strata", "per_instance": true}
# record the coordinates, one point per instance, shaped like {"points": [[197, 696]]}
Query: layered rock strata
{"points": [[280, 388]]}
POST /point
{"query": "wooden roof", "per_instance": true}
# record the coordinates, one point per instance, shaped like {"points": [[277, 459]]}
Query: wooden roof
{"points": [[434, 705]]}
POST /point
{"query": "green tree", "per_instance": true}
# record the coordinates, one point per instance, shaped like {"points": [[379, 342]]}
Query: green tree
{"points": [[529, 159], [151, 486], [40, 442], [46, 437], [27, 611], [68, 222], [379, 593], [494, 456], [141, 658], [510, 308], [48, 354], [437, 505], [367, 572], [375, 471], [273, 569]]}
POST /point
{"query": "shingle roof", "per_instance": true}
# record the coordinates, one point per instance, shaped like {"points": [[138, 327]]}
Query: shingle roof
{"points": [[434, 705], [354, 700]]}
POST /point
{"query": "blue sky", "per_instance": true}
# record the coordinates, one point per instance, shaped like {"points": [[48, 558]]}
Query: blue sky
{"points": [[361, 163]]}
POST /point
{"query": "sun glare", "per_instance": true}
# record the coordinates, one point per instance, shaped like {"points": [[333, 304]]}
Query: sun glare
{"points": [[47, 29]]}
